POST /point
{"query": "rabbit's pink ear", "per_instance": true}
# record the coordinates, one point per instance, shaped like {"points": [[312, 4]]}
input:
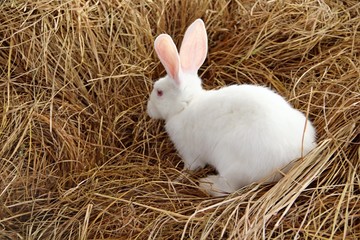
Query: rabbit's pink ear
{"points": [[169, 56], [194, 47]]}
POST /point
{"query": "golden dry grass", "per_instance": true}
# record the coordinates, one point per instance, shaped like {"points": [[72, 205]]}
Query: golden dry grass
{"points": [[81, 160]]}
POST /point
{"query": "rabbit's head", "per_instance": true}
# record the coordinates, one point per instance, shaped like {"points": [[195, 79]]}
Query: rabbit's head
{"points": [[172, 93]]}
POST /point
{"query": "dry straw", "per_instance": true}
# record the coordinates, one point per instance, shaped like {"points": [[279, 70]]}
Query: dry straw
{"points": [[81, 160]]}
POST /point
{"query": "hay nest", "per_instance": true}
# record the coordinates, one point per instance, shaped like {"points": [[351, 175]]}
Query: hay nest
{"points": [[81, 160]]}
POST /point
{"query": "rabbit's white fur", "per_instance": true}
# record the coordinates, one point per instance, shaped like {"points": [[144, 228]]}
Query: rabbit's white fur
{"points": [[245, 132]]}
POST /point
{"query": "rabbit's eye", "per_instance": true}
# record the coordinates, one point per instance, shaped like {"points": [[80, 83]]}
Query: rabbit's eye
{"points": [[159, 93]]}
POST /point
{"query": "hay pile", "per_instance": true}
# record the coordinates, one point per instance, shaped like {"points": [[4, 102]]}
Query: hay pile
{"points": [[80, 159]]}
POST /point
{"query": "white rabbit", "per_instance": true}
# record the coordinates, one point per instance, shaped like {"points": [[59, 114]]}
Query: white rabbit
{"points": [[245, 132]]}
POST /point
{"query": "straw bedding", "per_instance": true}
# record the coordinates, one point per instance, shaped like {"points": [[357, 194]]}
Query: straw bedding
{"points": [[80, 159]]}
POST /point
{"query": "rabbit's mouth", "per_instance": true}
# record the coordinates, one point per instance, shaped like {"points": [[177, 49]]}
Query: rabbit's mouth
{"points": [[152, 111]]}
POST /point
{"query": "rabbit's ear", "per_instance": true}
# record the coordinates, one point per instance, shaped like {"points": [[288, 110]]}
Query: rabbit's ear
{"points": [[194, 47], [169, 56]]}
